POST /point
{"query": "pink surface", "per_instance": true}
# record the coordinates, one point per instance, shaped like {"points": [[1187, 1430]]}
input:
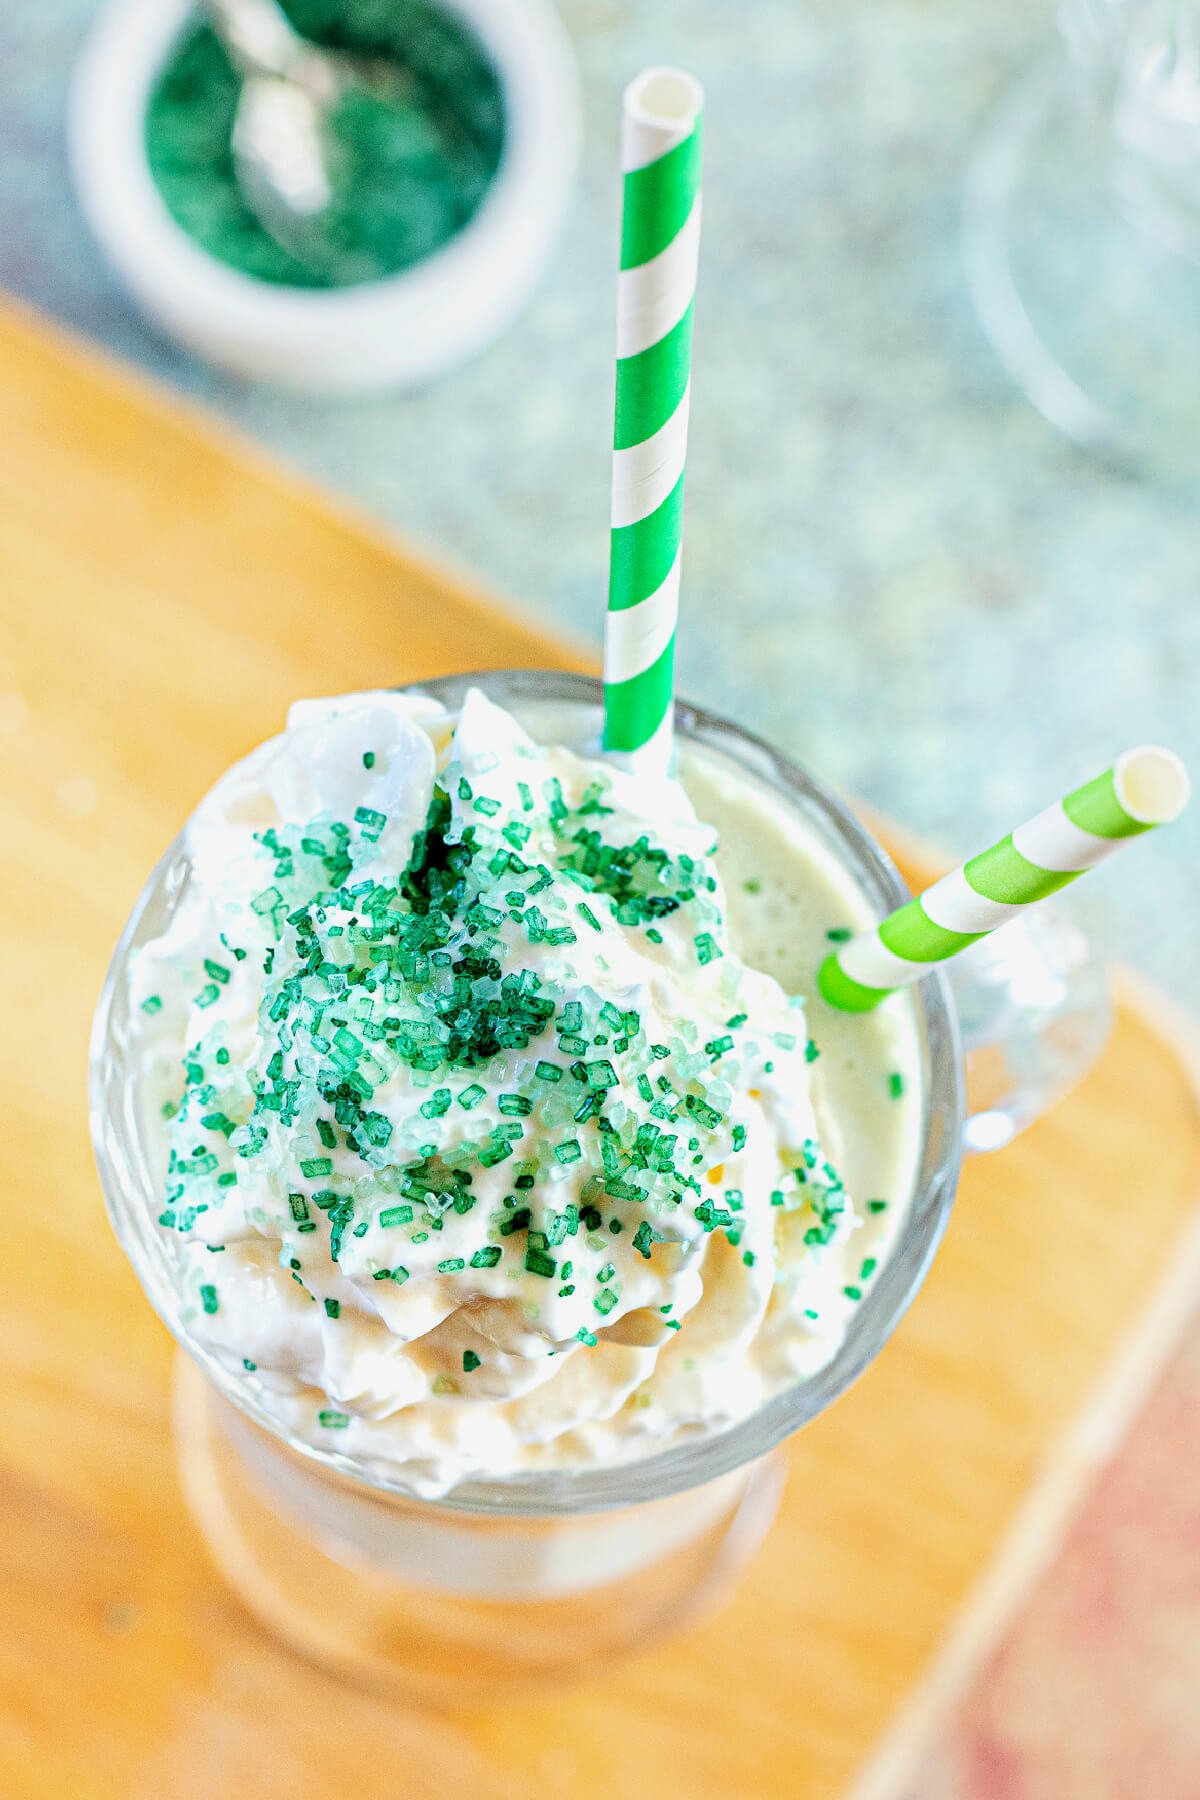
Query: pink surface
{"points": [[1094, 1691]]}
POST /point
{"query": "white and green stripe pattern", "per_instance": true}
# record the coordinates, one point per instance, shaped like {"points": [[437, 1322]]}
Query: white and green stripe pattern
{"points": [[1144, 788], [660, 237]]}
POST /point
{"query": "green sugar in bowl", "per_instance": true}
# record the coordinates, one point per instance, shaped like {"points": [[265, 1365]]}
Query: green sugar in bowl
{"points": [[412, 168], [449, 186]]}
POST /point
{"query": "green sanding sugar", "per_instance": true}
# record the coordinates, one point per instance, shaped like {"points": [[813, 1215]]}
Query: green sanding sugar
{"points": [[417, 968], [412, 169]]}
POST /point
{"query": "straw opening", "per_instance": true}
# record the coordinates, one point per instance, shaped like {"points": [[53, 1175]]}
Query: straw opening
{"points": [[1151, 784], [664, 97]]}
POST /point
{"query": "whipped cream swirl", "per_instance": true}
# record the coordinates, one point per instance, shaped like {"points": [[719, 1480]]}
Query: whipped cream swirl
{"points": [[485, 1150]]}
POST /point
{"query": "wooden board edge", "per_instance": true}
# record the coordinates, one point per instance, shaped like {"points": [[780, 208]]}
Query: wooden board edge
{"points": [[1072, 1464]]}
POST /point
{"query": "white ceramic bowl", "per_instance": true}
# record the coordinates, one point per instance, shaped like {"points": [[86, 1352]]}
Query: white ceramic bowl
{"points": [[382, 334]]}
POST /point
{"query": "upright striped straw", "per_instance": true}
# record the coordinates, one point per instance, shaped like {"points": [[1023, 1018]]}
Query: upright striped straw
{"points": [[1144, 788], [660, 237]]}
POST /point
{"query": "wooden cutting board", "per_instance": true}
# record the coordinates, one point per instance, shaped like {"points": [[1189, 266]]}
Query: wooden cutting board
{"points": [[164, 592]]}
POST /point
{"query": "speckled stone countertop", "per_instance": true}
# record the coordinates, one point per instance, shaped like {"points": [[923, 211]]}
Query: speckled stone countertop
{"points": [[893, 567]]}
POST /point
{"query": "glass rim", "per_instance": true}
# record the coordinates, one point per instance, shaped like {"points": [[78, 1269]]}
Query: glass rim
{"points": [[707, 1456]]}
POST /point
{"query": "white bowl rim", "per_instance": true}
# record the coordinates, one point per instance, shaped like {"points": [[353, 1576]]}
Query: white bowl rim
{"points": [[401, 328]]}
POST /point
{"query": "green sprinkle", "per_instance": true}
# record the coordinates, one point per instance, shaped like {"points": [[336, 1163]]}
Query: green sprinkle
{"points": [[208, 1298], [707, 949], [590, 917], [471, 1362], [568, 1152], [654, 934], [222, 1057], [451, 1265], [876, 1206], [538, 1263], [584, 1336], [207, 995], [316, 1165], [708, 1115], [515, 1105], [870, 1264], [152, 1004], [376, 1128], [368, 759], [399, 1274], [840, 934], [605, 1300], [895, 1084], [644, 1237], [437, 1103], [395, 1215], [471, 1096], [332, 1421], [811, 1051], [852, 1293], [487, 1258], [333, 1309], [547, 1071], [249, 1366], [216, 971]]}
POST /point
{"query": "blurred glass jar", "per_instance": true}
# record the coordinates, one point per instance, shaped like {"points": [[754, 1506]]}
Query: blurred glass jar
{"points": [[1082, 232]]}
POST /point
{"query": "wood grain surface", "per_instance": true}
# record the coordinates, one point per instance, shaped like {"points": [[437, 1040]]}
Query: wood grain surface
{"points": [[163, 595]]}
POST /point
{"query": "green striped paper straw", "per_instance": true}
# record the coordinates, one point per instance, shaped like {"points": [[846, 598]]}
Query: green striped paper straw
{"points": [[660, 237], [1145, 787]]}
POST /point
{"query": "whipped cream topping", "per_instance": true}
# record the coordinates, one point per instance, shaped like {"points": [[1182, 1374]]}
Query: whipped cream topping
{"points": [[485, 1150]]}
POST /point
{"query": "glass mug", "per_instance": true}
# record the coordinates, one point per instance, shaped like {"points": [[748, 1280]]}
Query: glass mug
{"points": [[513, 1580]]}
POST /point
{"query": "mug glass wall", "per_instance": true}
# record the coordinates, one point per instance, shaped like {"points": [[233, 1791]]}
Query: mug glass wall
{"points": [[512, 1580]]}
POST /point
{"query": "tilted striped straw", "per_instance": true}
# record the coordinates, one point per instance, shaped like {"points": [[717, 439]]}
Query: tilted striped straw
{"points": [[660, 237], [1144, 787]]}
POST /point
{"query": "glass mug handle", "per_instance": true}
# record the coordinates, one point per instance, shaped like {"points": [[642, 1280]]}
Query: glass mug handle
{"points": [[1035, 1011]]}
